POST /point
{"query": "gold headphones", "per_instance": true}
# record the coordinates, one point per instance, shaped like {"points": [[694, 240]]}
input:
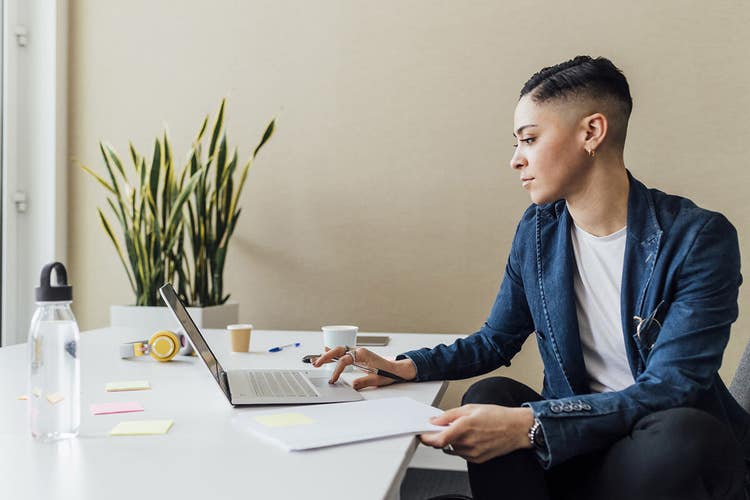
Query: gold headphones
{"points": [[162, 346]]}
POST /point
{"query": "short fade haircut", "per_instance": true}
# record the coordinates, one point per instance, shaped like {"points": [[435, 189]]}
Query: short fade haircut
{"points": [[583, 77]]}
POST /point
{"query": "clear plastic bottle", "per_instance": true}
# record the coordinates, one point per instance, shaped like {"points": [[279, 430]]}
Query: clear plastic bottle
{"points": [[55, 380]]}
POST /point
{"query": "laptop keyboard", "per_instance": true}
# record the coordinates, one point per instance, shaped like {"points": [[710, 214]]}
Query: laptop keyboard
{"points": [[279, 384]]}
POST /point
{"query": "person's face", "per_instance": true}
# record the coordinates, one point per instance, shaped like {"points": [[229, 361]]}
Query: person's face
{"points": [[549, 151]]}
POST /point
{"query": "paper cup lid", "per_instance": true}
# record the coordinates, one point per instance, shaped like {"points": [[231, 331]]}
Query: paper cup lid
{"points": [[240, 327]]}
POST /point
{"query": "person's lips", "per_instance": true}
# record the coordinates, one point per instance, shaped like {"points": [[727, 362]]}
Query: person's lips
{"points": [[526, 181]]}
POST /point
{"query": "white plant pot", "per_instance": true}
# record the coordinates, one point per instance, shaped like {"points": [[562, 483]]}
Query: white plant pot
{"points": [[150, 319]]}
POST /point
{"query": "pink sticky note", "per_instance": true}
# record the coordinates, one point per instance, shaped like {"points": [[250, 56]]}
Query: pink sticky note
{"points": [[107, 408]]}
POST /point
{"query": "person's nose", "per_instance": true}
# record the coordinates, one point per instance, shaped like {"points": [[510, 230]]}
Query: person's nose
{"points": [[518, 160]]}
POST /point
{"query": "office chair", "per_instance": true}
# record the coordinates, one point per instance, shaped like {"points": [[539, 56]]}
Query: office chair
{"points": [[740, 387]]}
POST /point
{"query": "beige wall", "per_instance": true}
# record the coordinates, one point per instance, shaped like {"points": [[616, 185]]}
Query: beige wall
{"points": [[385, 198]]}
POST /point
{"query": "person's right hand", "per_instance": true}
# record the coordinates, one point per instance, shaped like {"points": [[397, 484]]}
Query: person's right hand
{"points": [[364, 357]]}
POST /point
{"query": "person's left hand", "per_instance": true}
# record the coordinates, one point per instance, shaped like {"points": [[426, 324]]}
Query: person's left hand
{"points": [[481, 432]]}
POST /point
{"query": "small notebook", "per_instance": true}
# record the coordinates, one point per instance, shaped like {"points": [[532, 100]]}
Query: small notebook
{"points": [[317, 426], [108, 408], [141, 427], [128, 385]]}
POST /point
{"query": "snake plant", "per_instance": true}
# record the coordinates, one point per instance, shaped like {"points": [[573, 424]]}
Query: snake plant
{"points": [[175, 226]]}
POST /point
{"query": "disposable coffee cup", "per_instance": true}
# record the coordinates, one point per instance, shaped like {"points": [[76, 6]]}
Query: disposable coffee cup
{"points": [[239, 337], [340, 335]]}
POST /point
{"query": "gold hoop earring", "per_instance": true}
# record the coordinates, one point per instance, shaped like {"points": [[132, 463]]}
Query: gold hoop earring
{"points": [[592, 152]]}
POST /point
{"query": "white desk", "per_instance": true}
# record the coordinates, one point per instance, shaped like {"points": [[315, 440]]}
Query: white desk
{"points": [[204, 455]]}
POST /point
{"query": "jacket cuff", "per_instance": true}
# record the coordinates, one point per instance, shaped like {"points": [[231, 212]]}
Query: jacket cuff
{"points": [[419, 358], [553, 416], [542, 455]]}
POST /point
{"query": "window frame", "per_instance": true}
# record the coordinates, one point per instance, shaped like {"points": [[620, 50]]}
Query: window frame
{"points": [[34, 154]]}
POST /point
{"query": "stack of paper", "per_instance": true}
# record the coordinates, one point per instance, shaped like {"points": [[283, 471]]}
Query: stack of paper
{"points": [[316, 426]]}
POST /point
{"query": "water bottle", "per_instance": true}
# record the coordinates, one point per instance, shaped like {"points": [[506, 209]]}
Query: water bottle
{"points": [[55, 380]]}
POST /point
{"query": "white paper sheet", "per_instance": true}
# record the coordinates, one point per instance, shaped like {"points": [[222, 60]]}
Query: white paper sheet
{"points": [[316, 426]]}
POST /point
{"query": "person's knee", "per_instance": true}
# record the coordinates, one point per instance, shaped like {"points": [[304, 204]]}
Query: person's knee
{"points": [[499, 391], [684, 433], [684, 449]]}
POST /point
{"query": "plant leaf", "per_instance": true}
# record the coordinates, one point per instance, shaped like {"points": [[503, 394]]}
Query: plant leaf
{"points": [[187, 190], [218, 125], [108, 166], [134, 156], [98, 178], [115, 159], [266, 136], [220, 164], [229, 171], [167, 149], [111, 234], [240, 185], [199, 137], [153, 183]]}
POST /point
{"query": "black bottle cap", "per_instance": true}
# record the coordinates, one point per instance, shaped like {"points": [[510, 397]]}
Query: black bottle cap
{"points": [[48, 293]]}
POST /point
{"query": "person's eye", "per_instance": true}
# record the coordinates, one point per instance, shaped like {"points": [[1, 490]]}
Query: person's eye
{"points": [[528, 140]]}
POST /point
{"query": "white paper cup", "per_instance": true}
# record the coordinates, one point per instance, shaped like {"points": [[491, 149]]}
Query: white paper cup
{"points": [[340, 335]]}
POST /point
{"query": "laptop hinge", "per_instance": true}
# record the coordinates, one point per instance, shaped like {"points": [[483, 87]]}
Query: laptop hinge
{"points": [[224, 383]]}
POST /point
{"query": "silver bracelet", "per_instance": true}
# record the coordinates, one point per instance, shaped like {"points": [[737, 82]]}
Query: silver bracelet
{"points": [[532, 432]]}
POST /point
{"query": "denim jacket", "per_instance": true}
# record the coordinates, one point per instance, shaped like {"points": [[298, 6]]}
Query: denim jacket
{"points": [[680, 281]]}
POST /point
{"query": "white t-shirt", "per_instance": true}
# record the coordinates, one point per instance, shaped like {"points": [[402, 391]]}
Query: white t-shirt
{"points": [[597, 289]]}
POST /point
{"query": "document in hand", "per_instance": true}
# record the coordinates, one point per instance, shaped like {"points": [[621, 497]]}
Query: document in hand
{"points": [[306, 427]]}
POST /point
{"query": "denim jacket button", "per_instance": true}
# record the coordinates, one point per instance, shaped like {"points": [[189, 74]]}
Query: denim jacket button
{"points": [[586, 406], [577, 406], [555, 408], [568, 407]]}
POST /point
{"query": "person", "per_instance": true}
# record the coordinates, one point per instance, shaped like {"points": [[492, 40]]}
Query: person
{"points": [[630, 293]]}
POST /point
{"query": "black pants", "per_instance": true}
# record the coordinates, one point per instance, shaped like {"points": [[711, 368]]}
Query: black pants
{"points": [[679, 454]]}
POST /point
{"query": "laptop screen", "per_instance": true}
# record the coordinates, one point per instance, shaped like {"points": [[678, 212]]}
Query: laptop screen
{"points": [[196, 337]]}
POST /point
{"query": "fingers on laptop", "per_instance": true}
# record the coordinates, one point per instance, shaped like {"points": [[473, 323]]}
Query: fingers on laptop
{"points": [[364, 359], [328, 356], [344, 361], [331, 354], [336, 372]]}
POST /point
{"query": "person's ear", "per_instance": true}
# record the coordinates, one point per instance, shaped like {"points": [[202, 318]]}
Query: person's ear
{"points": [[596, 127]]}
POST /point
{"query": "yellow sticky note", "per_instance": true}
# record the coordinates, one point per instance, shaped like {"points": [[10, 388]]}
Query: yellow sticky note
{"points": [[54, 398], [141, 427], [284, 419], [129, 385]]}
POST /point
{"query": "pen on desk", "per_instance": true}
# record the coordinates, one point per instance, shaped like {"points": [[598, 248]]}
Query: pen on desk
{"points": [[377, 371], [278, 348]]}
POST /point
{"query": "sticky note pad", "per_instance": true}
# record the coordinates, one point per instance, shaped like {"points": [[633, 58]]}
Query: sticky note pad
{"points": [[129, 385], [108, 408], [54, 398], [141, 427], [284, 419]]}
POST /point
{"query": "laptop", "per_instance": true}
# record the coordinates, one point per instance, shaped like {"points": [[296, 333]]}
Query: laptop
{"points": [[260, 387]]}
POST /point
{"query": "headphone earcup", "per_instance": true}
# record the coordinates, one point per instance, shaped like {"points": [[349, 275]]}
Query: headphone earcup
{"points": [[186, 348], [164, 345]]}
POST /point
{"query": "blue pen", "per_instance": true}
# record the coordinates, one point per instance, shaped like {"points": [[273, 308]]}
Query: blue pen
{"points": [[277, 349]]}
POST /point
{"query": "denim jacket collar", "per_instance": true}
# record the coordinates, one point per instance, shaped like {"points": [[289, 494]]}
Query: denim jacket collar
{"points": [[641, 250]]}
